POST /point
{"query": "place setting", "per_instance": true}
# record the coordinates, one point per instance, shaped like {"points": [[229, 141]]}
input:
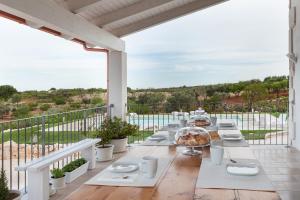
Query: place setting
{"points": [[160, 138], [132, 171], [228, 172]]}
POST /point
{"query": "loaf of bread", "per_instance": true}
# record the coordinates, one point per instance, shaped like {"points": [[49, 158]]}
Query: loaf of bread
{"points": [[201, 123], [193, 140]]}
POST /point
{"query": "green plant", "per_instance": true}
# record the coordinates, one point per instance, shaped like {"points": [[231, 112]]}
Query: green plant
{"points": [[4, 191], [105, 133], [60, 101], [22, 111], [125, 130], [115, 128], [74, 165], [97, 101], [45, 107], [57, 173]]}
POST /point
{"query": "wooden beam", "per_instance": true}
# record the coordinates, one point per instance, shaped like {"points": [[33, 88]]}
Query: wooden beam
{"points": [[49, 14], [165, 16], [76, 5], [128, 11]]}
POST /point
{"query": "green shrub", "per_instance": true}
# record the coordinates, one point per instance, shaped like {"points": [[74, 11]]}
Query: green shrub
{"points": [[74, 165], [86, 100], [60, 101], [57, 173], [75, 105], [32, 106], [22, 112], [97, 101], [45, 107], [4, 192]]}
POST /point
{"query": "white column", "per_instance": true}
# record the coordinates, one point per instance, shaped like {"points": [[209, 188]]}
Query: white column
{"points": [[38, 184], [117, 83], [90, 155], [294, 52]]}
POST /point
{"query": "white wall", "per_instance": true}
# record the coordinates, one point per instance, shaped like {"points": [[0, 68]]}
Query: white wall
{"points": [[295, 77]]}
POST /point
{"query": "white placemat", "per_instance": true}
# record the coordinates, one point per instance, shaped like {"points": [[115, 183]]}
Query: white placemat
{"points": [[165, 142], [135, 179], [216, 177]]}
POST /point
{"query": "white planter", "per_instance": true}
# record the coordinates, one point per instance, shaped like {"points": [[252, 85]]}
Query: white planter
{"points": [[16, 192], [71, 176], [104, 154], [58, 183], [120, 145]]}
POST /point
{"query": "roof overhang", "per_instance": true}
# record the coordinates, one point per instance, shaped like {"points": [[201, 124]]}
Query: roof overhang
{"points": [[101, 22]]}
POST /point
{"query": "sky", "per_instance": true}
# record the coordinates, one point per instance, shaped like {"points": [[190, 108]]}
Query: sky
{"points": [[234, 41]]}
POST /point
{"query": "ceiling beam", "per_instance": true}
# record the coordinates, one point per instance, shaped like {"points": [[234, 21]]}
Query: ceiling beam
{"points": [[49, 14], [76, 5], [128, 11], [165, 16]]}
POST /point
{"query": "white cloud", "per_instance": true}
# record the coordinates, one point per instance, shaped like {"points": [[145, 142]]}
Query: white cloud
{"points": [[236, 40]]}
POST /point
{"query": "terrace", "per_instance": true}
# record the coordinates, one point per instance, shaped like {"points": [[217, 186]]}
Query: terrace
{"points": [[98, 25]]}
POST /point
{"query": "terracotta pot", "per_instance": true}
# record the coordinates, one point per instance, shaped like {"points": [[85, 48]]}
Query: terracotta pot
{"points": [[120, 145]]}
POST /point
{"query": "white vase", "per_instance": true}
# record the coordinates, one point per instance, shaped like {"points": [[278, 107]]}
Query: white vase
{"points": [[71, 176], [58, 183], [120, 145], [16, 192], [104, 153]]}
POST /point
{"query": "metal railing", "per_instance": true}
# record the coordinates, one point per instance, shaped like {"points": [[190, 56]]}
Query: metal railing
{"points": [[260, 127], [27, 139]]}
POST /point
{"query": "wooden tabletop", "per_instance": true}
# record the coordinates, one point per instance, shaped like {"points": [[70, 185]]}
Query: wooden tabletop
{"points": [[178, 183]]}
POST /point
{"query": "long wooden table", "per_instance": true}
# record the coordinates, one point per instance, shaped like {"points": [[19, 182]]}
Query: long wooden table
{"points": [[178, 183]]}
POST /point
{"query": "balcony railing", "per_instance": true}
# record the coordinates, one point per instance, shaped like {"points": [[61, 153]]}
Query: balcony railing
{"points": [[24, 140]]}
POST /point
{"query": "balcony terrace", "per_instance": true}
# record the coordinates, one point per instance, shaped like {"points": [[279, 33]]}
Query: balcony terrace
{"points": [[33, 146]]}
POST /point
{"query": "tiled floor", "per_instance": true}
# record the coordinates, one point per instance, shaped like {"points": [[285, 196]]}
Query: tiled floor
{"points": [[282, 165]]}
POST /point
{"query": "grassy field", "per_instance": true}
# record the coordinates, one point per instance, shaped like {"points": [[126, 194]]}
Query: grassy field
{"points": [[256, 134], [62, 137]]}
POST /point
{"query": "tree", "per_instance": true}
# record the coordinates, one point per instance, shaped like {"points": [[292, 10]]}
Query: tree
{"points": [[253, 93], [4, 191], [181, 101], [6, 91], [16, 98], [211, 104]]}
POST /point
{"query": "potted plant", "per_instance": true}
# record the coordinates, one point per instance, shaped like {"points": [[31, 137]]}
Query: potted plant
{"points": [[58, 178], [75, 169], [104, 150], [121, 130], [5, 193]]}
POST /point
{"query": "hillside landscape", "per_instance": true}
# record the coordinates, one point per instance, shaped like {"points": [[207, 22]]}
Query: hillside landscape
{"points": [[268, 95]]}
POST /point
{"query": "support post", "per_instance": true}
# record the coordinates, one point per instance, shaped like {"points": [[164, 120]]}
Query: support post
{"points": [[89, 154], [38, 184], [117, 84]]}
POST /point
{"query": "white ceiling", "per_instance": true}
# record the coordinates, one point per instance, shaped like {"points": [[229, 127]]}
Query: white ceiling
{"points": [[123, 17]]}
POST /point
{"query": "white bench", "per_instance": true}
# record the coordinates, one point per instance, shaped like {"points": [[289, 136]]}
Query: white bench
{"points": [[38, 170]]}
